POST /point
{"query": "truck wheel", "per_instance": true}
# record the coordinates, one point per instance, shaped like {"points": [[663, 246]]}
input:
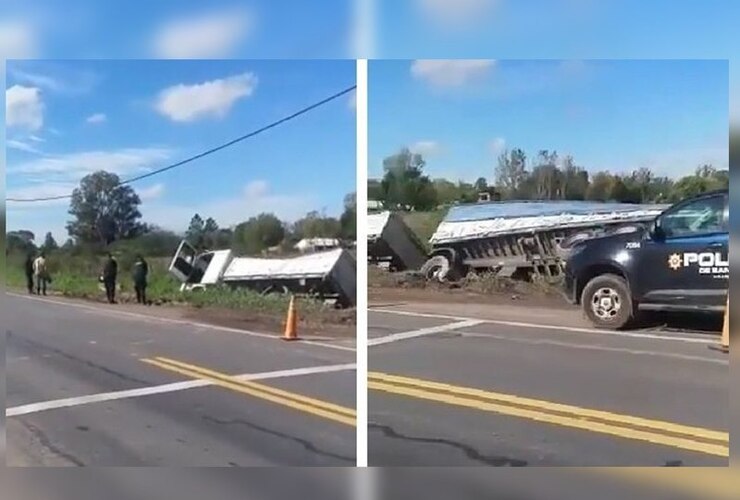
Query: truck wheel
{"points": [[438, 268], [607, 302]]}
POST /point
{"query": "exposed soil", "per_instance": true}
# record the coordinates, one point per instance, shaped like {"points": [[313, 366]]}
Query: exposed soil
{"points": [[339, 323], [387, 287], [332, 324]]}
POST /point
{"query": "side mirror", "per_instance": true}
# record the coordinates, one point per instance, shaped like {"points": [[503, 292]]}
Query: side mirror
{"points": [[657, 233]]}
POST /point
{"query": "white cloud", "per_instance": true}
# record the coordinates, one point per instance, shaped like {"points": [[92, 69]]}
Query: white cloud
{"points": [[256, 189], [22, 146], [206, 36], [451, 72], [24, 107], [497, 145], [56, 78], [96, 118], [36, 138], [425, 148], [186, 103], [17, 40], [74, 166], [455, 13], [151, 192]]}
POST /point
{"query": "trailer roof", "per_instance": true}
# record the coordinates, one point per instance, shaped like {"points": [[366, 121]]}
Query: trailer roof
{"points": [[517, 209]]}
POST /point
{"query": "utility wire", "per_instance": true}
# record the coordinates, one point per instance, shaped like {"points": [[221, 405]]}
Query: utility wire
{"points": [[207, 152]]}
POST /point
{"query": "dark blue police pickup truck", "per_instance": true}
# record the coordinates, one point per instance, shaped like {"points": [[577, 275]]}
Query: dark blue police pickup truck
{"points": [[680, 262]]}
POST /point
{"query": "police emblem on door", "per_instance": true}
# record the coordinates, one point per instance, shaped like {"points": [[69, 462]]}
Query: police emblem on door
{"points": [[675, 262]]}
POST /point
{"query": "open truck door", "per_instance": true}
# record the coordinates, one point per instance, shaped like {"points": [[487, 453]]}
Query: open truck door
{"points": [[183, 263]]}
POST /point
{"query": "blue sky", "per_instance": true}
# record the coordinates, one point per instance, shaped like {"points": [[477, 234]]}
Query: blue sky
{"points": [[557, 29], [670, 116], [181, 28], [66, 119]]}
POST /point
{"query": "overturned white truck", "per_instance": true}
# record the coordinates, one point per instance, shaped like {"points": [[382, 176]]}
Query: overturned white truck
{"points": [[522, 239], [391, 244], [517, 239], [329, 276]]}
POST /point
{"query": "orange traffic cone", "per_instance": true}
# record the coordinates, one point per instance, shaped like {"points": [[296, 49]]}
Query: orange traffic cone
{"points": [[291, 323], [725, 342]]}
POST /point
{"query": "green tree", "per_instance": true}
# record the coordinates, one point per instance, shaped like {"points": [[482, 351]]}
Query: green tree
{"points": [[20, 242], [50, 243], [348, 220], [196, 231], [258, 233], [481, 184], [706, 178], [599, 189], [642, 180], [374, 190], [104, 210], [618, 190], [511, 172], [404, 185], [210, 226], [316, 225], [467, 193], [575, 180], [447, 192]]}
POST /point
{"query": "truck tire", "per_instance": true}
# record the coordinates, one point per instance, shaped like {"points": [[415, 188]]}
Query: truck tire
{"points": [[607, 302], [439, 268]]}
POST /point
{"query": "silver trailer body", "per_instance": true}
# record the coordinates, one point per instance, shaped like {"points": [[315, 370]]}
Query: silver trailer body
{"points": [[520, 239], [390, 242], [327, 275]]}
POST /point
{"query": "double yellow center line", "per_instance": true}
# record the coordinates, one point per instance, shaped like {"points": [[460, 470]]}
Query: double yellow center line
{"points": [[293, 400], [696, 439]]}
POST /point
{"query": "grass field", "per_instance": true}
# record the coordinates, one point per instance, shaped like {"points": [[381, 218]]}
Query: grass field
{"points": [[423, 224]]}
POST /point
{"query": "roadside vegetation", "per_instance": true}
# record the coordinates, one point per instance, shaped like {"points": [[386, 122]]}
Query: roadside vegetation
{"points": [[105, 218], [423, 202]]}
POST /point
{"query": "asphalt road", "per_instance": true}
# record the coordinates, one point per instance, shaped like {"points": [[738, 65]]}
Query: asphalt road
{"points": [[92, 385], [372, 484], [463, 391]]}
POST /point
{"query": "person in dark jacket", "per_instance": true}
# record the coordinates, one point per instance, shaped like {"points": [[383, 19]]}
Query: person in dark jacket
{"points": [[28, 268], [141, 270], [110, 274]]}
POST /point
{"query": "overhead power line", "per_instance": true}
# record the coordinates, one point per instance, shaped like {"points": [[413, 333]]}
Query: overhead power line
{"points": [[207, 152]]}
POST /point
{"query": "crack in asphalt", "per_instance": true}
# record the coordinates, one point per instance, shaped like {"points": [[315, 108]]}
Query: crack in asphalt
{"points": [[46, 443], [71, 357], [469, 451], [309, 446]]}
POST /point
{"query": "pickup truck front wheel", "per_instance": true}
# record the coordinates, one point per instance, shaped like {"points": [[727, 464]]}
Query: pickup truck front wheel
{"points": [[607, 302]]}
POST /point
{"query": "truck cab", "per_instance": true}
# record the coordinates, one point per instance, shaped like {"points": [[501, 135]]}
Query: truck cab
{"points": [[680, 262], [197, 270]]}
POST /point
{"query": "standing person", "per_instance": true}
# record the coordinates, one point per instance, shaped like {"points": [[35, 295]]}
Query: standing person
{"points": [[28, 268], [110, 273], [40, 273], [141, 270]]}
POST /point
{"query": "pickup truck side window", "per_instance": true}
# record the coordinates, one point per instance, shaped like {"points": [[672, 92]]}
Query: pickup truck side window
{"points": [[700, 217]]}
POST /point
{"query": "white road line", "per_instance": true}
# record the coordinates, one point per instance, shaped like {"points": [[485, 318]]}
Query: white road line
{"points": [[572, 345], [422, 332], [519, 324], [162, 389], [146, 317]]}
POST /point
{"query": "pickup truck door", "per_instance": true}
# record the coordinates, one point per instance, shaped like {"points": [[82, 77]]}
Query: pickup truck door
{"points": [[685, 262]]}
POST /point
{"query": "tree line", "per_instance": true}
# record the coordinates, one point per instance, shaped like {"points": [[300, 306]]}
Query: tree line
{"points": [[547, 176], [105, 215]]}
